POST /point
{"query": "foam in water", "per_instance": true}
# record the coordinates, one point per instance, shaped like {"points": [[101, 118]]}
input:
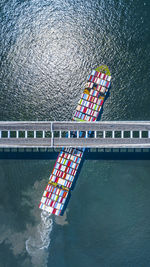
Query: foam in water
{"points": [[38, 244]]}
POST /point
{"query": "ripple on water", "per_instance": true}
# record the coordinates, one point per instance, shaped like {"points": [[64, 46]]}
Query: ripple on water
{"points": [[49, 48]]}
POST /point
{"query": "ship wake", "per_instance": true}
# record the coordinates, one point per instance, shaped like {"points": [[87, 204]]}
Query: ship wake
{"points": [[37, 244]]}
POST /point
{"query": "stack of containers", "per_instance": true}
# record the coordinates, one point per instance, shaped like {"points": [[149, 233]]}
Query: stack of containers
{"points": [[61, 180], [67, 163], [93, 96], [53, 199], [66, 167]]}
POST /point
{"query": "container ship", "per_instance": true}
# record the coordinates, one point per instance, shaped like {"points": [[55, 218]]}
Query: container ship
{"points": [[58, 190]]}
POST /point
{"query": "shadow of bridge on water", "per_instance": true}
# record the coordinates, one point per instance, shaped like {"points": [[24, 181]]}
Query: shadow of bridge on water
{"points": [[90, 153]]}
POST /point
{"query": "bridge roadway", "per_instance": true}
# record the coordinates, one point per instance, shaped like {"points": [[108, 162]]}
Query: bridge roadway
{"points": [[56, 134]]}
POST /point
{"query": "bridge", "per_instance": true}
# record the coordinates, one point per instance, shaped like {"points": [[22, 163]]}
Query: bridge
{"points": [[103, 134]]}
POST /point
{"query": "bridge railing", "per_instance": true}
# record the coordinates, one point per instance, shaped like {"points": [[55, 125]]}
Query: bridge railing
{"points": [[68, 133]]}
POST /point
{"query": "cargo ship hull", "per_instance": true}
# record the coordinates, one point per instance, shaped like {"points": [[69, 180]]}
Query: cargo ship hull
{"points": [[57, 192]]}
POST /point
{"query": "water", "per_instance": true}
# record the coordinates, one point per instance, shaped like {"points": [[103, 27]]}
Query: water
{"points": [[37, 246], [48, 48]]}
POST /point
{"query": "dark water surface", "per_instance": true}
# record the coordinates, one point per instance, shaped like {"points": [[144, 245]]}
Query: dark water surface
{"points": [[47, 50]]}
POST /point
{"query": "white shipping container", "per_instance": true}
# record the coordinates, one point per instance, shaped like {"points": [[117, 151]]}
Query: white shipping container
{"points": [[93, 72], [108, 78], [43, 199]]}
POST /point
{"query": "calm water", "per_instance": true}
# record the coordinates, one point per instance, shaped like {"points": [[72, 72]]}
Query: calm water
{"points": [[48, 48]]}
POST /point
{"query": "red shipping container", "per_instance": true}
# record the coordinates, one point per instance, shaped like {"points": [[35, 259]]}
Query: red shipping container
{"points": [[90, 78], [69, 162], [84, 110], [54, 211], [61, 174], [59, 166], [64, 175], [47, 193], [101, 103], [56, 180], [61, 200], [107, 84], [51, 203]]}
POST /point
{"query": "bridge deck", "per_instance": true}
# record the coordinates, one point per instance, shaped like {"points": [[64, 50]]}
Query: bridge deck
{"points": [[74, 142], [70, 125], [56, 138]]}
